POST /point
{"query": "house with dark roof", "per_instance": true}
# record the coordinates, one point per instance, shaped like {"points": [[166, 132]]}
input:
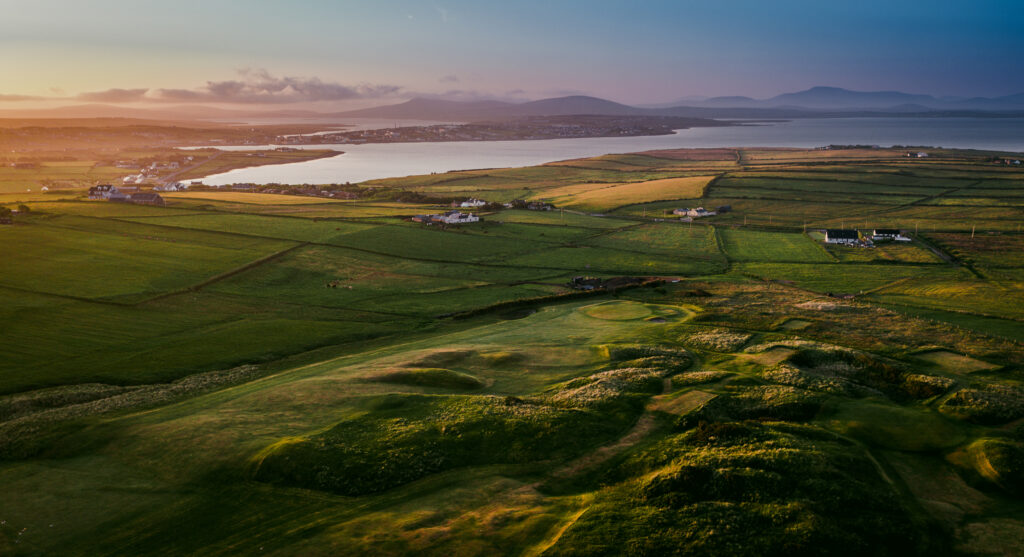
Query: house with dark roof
{"points": [[889, 234], [146, 198], [841, 236], [455, 217], [102, 191]]}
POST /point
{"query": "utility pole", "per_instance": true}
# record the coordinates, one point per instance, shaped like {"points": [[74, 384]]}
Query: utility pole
{"points": [[972, 231]]}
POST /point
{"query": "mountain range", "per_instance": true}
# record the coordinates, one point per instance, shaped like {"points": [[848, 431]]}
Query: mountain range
{"points": [[816, 102]]}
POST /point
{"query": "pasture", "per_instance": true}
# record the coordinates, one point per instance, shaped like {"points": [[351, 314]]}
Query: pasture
{"points": [[755, 245]]}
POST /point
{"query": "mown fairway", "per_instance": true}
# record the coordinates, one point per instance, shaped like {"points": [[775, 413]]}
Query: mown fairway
{"points": [[248, 373]]}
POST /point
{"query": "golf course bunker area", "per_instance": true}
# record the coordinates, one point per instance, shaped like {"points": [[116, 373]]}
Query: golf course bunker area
{"points": [[681, 404], [769, 357], [795, 324], [957, 363], [631, 311], [618, 311]]}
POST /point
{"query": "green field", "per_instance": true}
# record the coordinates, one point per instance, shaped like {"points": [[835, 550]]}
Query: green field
{"points": [[248, 373], [756, 245]]}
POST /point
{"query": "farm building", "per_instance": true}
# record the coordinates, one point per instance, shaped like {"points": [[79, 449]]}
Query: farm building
{"points": [[694, 213], [840, 236], [889, 234], [119, 197], [473, 203], [455, 217], [146, 198], [102, 191]]}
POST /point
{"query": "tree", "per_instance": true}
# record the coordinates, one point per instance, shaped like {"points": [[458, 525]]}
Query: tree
{"points": [[23, 209]]}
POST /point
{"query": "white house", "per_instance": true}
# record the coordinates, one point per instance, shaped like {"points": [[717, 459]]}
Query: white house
{"points": [[922, 155], [102, 191], [889, 234], [455, 217], [694, 213], [473, 203]]}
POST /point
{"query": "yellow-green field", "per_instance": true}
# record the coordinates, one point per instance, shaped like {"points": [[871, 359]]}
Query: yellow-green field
{"points": [[605, 197], [244, 197]]}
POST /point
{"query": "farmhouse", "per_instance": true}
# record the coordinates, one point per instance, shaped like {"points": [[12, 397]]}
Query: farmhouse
{"points": [[175, 186], [694, 213], [884, 233], [839, 236], [473, 203], [888, 234], [102, 191], [146, 198], [455, 217]]}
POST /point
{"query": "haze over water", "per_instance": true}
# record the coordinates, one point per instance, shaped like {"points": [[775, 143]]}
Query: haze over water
{"points": [[384, 160]]}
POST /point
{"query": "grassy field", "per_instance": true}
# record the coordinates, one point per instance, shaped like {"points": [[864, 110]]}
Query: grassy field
{"points": [[755, 245], [606, 197], [249, 373]]}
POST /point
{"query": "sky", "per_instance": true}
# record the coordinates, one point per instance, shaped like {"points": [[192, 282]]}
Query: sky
{"points": [[358, 53]]}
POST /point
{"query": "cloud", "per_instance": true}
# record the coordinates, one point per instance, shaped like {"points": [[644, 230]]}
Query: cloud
{"points": [[12, 98], [442, 12], [253, 86], [114, 95], [449, 79]]}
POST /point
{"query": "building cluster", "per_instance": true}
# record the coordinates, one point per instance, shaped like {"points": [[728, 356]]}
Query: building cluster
{"points": [[108, 192], [688, 214], [148, 172], [528, 205], [852, 237], [448, 217], [173, 186]]}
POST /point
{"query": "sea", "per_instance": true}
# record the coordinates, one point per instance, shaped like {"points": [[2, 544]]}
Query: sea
{"points": [[384, 160]]}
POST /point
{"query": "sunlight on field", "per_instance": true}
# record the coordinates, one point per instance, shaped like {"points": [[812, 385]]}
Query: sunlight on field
{"points": [[254, 198], [606, 197]]}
